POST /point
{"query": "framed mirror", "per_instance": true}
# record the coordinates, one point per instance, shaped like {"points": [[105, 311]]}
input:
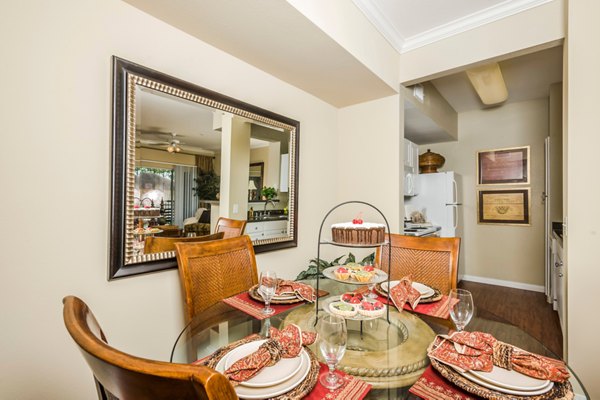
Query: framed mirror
{"points": [[182, 156]]}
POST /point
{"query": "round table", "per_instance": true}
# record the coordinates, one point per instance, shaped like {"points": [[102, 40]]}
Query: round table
{"points": [[390, 356]]}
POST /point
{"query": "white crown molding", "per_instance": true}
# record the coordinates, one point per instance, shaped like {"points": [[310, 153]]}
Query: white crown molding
{"points": [[460, 25], [381, 23]]}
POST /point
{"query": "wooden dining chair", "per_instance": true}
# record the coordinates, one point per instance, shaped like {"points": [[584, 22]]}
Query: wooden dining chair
{"points": [[430, 260], [163, 244], [125, 377], [212, 271], [231, 227]]}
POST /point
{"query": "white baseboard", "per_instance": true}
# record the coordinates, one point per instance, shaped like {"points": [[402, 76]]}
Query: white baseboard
{"points": [[500, 282]]}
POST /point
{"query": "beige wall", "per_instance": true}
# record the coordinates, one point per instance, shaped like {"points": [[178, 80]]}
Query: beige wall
{"points": [[56, 104], [435, 107], [495, 252], [582, 188]]}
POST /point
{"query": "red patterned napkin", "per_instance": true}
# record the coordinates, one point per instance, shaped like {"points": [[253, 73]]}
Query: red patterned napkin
{"points": [[403, 292], [353, 388], [439, 309], [301, 290], [245, 303], [432, 386], [480, 351], [285, 343]]}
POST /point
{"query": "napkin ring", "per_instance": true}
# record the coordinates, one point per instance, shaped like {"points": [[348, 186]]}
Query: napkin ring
{"points": [[502, 355], [275, 350]]}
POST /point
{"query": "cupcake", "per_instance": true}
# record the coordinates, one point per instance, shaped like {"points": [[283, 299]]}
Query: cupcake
{"points": [[342, 309], [354, 267], [351, 298], [363, 276], [371, 309], [342, 273]]}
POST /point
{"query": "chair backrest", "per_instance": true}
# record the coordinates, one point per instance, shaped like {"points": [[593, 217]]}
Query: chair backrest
{"points": [[430, 260], [212, 271], [231, 227], [162, 244], [127, 377]]}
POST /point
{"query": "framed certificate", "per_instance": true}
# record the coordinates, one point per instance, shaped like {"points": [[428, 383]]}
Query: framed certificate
{"points": [[503, 166], [503, 206]]}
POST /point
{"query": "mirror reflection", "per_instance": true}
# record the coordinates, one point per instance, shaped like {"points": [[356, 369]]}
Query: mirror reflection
{"points": [[184, 156]]}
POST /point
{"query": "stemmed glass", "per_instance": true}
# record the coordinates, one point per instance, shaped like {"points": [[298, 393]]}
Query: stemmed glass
{"points": [[461, 312], [332, 342], [267, 288]]}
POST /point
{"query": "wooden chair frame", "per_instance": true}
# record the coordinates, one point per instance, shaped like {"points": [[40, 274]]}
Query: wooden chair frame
{"points": [[154, 244], [212, 271], [422, 245], [230, 227], [132, 378]]}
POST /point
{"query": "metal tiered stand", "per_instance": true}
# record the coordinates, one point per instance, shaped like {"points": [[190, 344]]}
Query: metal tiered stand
{"points": [[331, 242]]}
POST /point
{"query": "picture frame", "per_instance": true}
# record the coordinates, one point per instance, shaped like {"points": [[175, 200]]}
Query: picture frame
{"points": [[504, 206], [508, 166]]}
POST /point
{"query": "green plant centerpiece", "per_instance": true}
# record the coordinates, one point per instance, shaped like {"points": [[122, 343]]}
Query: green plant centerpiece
{"points": [[316, 266], [268, 193], [208, 185]]}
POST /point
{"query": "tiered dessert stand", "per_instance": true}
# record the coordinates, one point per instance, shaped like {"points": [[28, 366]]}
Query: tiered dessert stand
{"points": [[331, 242]]}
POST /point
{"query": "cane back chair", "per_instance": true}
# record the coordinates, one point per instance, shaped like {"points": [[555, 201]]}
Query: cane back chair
{"points": [[231, 227], [125, 377], [163, 244], [212, 271], [430, 260]]}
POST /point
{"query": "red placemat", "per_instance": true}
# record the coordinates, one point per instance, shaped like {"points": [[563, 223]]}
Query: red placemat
{"points": [[432, 386], [439, 309], [245, 303], [353, 389]]}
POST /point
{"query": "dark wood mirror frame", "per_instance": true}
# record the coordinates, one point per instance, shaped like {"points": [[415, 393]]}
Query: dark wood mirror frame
{"points": [[125, 75]]}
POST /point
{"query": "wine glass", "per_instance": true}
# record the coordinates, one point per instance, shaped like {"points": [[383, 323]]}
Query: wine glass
{"points": [[461, 312], [332, 342], [267, 288]]}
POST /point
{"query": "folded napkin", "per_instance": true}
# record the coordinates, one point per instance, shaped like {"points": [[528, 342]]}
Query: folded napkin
{"points": [[480, 351], [404, 292], [301, 290], [285, 343]]}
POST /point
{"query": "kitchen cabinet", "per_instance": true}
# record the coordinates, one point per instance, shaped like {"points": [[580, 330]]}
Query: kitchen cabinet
{"points": [[266, 229], [411, 168]]}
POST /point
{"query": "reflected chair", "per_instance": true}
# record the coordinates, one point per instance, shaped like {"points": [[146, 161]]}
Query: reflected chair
{"points": [[212, 271], [430, 260], [163, 244], [125, 377], [231, 227]]}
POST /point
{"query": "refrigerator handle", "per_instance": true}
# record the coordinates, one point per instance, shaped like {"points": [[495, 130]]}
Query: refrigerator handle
{"points": [[455, 215], [455, 194]]}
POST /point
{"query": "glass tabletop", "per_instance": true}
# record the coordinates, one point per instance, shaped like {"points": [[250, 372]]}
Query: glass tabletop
{"points": [[390, 356]]}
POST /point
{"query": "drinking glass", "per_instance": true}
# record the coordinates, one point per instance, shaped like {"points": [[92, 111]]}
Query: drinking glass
{"points": [[461, 312], [332, 343], [267, 289]]}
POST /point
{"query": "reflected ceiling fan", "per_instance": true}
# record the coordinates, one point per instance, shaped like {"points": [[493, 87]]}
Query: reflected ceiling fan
{"points": [[171, 142]]}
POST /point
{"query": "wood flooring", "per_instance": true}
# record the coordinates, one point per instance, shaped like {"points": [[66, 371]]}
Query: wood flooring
{"points": [[523, 308]]}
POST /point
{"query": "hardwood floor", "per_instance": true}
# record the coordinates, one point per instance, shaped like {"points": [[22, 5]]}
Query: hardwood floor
{"points": [[526, 309]]}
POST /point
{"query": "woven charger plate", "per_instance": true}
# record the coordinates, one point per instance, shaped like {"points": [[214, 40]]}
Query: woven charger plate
{"points": [[437, 295], [303, 389], [253, 292], [562, 390]]}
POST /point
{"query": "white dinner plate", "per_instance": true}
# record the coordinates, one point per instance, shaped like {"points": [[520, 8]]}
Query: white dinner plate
{"points": [[268, 376], [501, 389], [510, 379], [285, 297], [425, 290], [256, 393]]}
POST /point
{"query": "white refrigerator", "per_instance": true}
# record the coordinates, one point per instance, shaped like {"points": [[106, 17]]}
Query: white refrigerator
{"points": [[439, 200]]}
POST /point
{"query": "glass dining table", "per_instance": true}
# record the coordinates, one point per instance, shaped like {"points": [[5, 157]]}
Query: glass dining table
{"points": [[391, 356]]}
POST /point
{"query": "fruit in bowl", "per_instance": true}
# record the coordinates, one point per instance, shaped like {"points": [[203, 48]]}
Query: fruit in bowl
{"points": [[342, 273], [351, 298], [371, 308], [343, 309]]}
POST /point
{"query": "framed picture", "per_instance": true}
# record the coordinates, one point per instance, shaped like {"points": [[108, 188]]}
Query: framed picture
{"points": [[503, 166], [503, 206]]}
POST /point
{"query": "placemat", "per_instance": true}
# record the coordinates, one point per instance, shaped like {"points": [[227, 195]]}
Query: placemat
{"points": [[432, 386], [560, 391], [353, 389], [439, 309], [245, 303], [298, 392]]}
